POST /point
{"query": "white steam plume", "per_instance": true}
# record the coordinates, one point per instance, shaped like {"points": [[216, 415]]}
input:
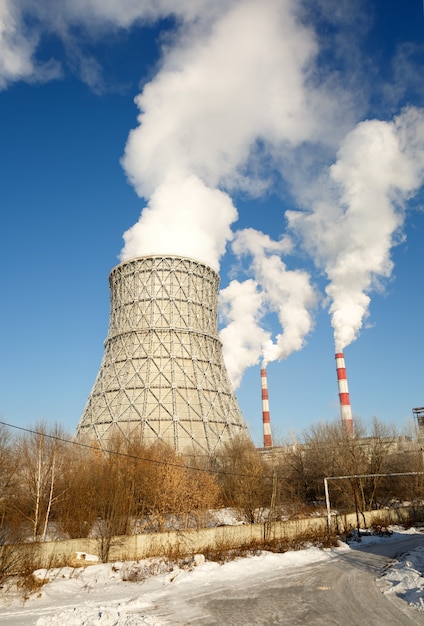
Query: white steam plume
{"points": [[220, 89], [24, 22], [241, 308], [234, 85], [17, 48], [184, 217], [380, 165], [287, 293], [237, 83]]}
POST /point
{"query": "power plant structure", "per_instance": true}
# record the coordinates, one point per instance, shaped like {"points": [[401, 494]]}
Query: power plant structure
{"points": [[266, 420], [162, 376], [418, 413], [345, 408]]}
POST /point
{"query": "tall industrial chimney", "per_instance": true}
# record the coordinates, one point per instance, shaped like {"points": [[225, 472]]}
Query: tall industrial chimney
{"points": [[266, 422], [162, 376], [345, 408]]}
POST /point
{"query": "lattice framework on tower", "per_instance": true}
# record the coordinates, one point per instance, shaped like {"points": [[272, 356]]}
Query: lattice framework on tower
{"points": [[162, 376]]}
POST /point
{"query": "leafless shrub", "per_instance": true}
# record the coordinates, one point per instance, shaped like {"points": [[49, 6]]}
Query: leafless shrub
{"points": [[76, 511], [166, 488], [224, 552], [17, 560], [138, 572], [26, 582], [245, 479]]}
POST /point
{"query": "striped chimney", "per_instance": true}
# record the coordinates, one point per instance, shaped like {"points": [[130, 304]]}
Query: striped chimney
{"points": [[345, 408], [265, 410]]}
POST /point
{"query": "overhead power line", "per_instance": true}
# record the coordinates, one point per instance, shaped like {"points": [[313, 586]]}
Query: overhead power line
{"points": [[127, 455]]}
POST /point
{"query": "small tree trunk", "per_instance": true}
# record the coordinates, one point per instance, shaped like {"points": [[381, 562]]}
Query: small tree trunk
{"points": [[271, 514], [49, 505], [37, 495]]}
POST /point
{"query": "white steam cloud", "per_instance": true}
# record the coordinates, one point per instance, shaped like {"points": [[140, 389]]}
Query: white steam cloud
{"points": [[242, 308], [23, 23], [243, 98], [17, 49], [202, 114], [184, 217], [379, 166], [200, 122], [287, 293]]}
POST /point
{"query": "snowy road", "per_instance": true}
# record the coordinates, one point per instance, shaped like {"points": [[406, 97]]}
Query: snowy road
{"points": [[311, 586], [343, 591]]}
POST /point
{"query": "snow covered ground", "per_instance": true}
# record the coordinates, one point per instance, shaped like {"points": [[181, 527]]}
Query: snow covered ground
{"points": [[404, 577], [130, 593]]}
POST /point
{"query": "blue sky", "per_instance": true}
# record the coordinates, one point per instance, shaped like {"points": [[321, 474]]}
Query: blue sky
{"points": [[69, 181]]}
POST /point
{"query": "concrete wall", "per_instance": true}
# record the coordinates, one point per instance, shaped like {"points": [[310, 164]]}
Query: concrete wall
{"points": [[190, 542]]}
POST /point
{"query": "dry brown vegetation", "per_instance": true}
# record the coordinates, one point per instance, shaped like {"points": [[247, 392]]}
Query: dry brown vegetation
{"points": [[329, 451], [244, 479], [223, 553], [51, 489]]}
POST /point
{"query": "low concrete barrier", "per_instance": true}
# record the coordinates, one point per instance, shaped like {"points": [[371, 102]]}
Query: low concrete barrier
{"points": [[188, 542]]}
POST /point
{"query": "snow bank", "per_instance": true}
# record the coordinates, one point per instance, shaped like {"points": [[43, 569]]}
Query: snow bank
{"points": [[404, 578]]}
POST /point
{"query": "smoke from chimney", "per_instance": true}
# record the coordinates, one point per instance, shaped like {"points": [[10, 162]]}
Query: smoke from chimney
{"points": [[199, 141], [357, 213], [273, 289]]}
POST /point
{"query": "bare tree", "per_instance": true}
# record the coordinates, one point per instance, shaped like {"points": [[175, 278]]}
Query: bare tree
{"points": [[114, 498], [378, 447], [245, 479], [170, 491], [10, 526], [40, 461], [75, 511], [292, 480], [328, 450]]}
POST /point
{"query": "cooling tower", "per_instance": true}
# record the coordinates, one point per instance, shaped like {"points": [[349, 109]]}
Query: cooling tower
{"points": [[162, 376], [266, 421], [345, 408]]}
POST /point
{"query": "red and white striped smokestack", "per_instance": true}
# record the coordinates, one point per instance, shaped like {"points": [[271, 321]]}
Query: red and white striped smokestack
{"points": [[345, 408], [266, 422]]}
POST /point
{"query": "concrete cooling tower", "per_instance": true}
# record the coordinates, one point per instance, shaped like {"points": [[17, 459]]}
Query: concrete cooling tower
{"points": [[162, 376]]}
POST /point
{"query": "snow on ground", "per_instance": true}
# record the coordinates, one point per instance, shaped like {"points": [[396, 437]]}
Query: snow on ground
{"points": [[127, 593], [107, 595], [405, 578]]}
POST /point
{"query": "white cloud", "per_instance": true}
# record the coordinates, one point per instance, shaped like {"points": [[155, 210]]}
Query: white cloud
{"points": [[124, 13]]}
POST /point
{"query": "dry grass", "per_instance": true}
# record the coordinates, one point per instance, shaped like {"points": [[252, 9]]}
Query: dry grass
{"points": [[138, 572], [21, 575], [224, 553], [142, 570], [29, 583]]}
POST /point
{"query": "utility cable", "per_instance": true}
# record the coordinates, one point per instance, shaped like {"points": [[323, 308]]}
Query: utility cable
{"points": [[129, 456]]}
